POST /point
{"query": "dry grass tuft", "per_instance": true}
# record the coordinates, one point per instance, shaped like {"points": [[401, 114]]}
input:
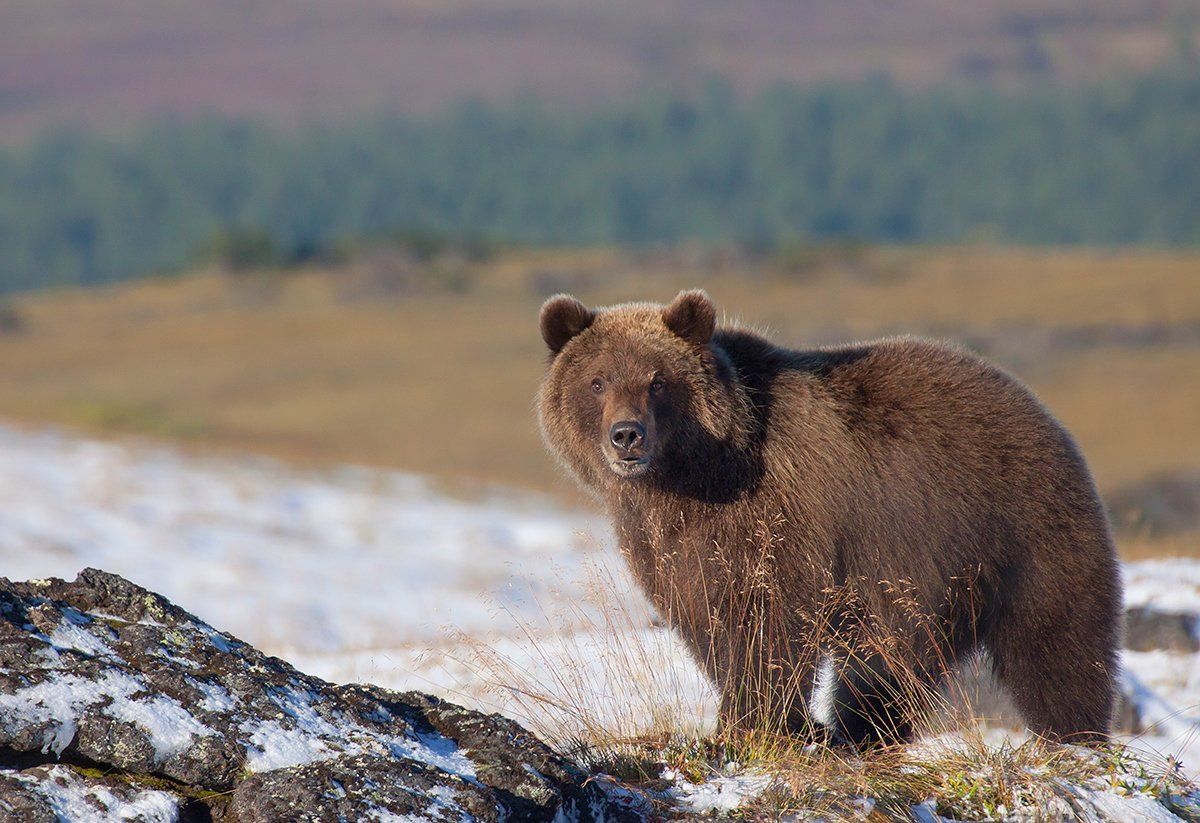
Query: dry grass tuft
{"points": [[599, 676], [612, 691]]}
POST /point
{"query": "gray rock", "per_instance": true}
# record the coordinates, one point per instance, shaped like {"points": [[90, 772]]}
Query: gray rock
{"points": [[100, 672], [353, 788], [1149, 629]]}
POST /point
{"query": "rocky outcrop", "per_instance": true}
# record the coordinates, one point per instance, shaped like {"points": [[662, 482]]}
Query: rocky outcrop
{"points": [[1150, 629], [117, 705], [114, 703]]}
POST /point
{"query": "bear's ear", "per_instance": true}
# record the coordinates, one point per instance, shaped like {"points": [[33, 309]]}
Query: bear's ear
{"points": [[562, 318], [692, 316]]}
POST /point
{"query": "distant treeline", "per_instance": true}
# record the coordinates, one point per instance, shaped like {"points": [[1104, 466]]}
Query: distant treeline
{"points": [[1114, 163]]}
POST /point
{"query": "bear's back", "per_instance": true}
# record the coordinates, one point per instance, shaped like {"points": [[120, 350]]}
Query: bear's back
{"points": [[884, 411], [880, 386]]}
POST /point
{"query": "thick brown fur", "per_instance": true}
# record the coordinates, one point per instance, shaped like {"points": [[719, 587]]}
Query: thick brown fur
{"points": [[880, 510]]}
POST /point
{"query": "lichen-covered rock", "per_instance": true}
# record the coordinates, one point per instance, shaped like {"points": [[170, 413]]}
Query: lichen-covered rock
{"points": [[48, 794], [364, 787], [102, 672]]}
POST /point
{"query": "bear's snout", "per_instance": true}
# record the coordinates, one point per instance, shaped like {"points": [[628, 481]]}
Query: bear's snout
{"points": [[629, 455], [628, 438]]}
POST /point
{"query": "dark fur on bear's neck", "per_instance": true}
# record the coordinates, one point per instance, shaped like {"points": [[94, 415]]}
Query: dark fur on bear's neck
{"points": [[706, 468], [918, 484]]}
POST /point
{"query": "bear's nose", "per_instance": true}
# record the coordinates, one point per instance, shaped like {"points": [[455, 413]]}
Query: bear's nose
{"points": [[627, 435]]}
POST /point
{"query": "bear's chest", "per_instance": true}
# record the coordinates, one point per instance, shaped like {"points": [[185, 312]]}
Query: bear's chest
{"points": [[682, 554]]}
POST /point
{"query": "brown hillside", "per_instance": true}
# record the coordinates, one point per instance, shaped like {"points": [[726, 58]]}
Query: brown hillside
{"points": [[86, 61], [433, 367]]}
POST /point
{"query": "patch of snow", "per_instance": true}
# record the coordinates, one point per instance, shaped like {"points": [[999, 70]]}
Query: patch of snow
{"points": [[216, 697], [927, 813], [723, 793], [615, 796], [1166, 690], [170, 727], [215, 637], [273, 745], [319, 562], [444, 801], [824, 692], [176, 660], [59, 701], [72, 799], [69, 635], [1114, 806], [1169, 584], [629, 681], [436, 751]]}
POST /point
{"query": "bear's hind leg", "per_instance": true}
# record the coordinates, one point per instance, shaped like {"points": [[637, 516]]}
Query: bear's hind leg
{"points": [[1056, 654]]}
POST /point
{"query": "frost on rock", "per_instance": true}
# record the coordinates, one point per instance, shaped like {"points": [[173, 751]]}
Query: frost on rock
{"points": [[99, 677]]}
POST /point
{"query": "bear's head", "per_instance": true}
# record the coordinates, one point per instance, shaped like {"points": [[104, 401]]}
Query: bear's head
{"points": [[632, 390]]}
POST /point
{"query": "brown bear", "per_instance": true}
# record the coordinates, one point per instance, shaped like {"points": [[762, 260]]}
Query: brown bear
{"points": [[831, 529]]}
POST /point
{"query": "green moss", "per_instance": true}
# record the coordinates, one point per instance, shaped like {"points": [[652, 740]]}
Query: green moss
{"points": [[145, 781], [143, 418]]}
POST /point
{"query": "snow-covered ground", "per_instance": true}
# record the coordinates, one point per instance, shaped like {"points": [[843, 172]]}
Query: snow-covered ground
{"points": [[352, 574], [364, 575]]}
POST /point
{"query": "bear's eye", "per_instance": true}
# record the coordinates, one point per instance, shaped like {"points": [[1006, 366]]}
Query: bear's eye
{"points": [[597, 386], [658, 385]]}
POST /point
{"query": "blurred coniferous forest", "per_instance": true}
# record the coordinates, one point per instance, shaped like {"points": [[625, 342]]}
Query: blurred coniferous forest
{"points": [[1116, 162]]}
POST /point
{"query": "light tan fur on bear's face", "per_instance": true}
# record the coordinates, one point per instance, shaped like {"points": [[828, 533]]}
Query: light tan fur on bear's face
{"points": [[637, 363]]}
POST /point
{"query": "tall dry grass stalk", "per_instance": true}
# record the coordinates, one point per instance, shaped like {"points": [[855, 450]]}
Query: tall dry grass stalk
{"points": [[785, 645], [605, 671]]}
